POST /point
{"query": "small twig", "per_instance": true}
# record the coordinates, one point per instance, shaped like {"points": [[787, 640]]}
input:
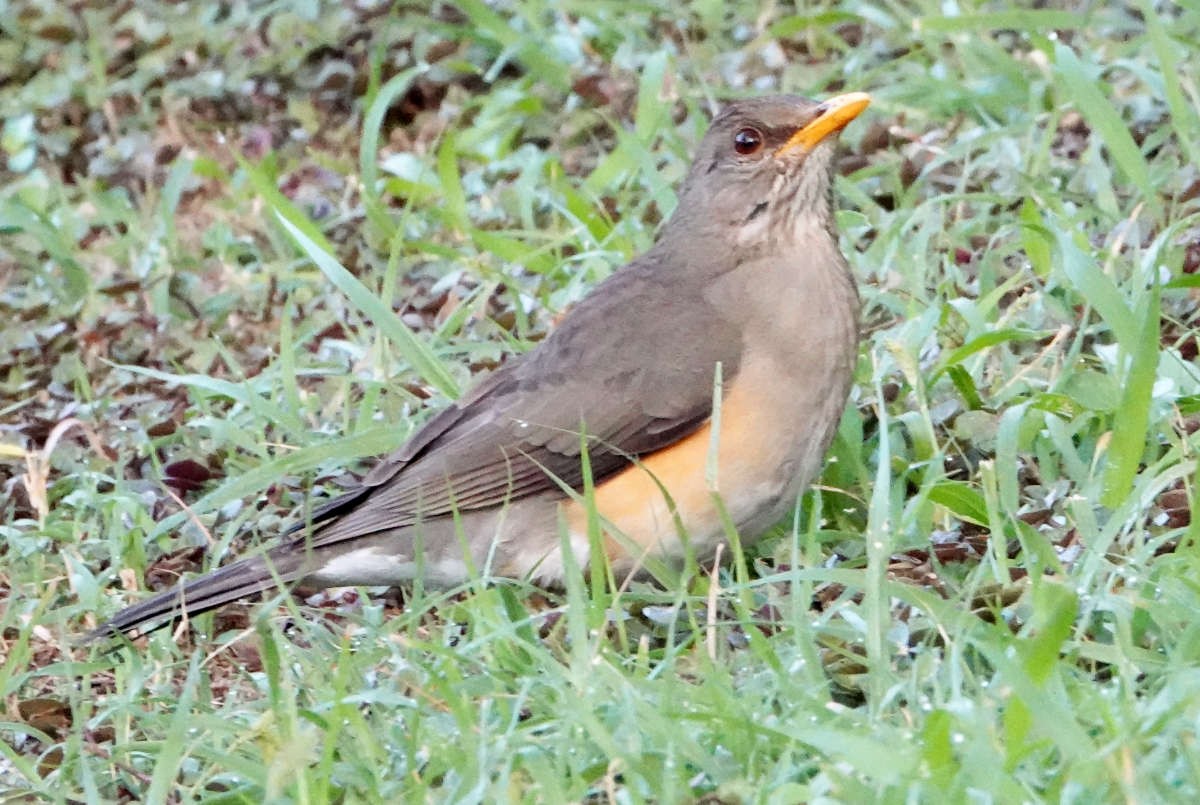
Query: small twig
{"points": [[93, 748], [37, 463], [1062, 333], [208, 537]]}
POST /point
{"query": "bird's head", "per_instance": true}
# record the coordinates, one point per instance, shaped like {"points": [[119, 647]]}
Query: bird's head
{"points": [[765, 168]]}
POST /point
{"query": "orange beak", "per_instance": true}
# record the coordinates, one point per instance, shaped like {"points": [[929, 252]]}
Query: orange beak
{"points": [[832, 117]]}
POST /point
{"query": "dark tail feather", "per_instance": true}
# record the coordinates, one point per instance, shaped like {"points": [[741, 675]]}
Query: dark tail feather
{"points": [[254, 574]]}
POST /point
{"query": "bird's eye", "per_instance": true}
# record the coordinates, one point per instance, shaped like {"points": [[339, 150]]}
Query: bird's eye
{"points": [[747, 141]]}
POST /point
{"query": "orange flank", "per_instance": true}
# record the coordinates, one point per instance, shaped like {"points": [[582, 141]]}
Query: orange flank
{"points": [[633, 503]]}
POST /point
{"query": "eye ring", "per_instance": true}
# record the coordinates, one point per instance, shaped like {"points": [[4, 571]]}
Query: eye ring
{"points": [[747, 141]]}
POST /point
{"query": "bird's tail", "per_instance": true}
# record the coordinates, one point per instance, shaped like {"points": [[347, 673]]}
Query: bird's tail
{"points": [[254, 574]]}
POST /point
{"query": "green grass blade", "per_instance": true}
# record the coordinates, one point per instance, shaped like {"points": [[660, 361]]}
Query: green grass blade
{"points": [[1082, 89], [413, 349], [1132, 418], [304, 459], [377, 108], [1016, 20]]}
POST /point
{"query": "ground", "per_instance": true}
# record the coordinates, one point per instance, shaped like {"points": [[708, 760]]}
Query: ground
{"points": [[246, 247]]}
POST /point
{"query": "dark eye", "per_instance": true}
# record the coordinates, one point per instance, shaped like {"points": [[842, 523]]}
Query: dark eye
{"points": [[747, 141]]}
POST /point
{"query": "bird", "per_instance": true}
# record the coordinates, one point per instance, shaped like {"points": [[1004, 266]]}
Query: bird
{"points": [[697, 387]]}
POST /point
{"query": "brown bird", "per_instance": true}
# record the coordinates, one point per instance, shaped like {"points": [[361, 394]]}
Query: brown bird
{"points": [[746, 279]]}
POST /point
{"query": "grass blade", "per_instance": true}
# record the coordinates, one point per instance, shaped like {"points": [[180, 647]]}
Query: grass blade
{"points": [[413, 349], [1084, 91], [1132, 418]]}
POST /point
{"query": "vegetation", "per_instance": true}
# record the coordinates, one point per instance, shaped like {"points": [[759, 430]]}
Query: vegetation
{"points": [[246, 246]]}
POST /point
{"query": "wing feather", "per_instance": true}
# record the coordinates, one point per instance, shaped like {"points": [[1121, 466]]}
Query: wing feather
{"points": [[519, 431]]}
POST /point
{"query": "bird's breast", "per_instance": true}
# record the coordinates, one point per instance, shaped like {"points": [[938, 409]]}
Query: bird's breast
{"points": [[799, 317]]}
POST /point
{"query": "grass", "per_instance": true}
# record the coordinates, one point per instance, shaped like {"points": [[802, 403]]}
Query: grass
{"points": [[244, 248]]}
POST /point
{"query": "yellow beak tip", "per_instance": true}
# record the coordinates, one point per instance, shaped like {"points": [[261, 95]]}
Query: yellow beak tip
{"points": [[832, 116]]}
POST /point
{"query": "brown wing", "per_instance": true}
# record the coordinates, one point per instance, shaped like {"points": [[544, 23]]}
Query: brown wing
{"points": [[632, 367]]}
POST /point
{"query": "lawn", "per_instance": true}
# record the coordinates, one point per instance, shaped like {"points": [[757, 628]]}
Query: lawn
{"points": [[247, 247]]}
